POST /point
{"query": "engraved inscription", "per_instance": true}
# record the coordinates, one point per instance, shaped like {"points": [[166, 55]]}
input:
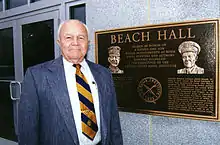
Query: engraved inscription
{"points": [[150, 56], [191, 94]]}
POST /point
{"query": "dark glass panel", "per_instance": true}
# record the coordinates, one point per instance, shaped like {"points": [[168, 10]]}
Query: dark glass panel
{"points": [[38, 43], [6, 54], [1, 5], [15, 3], [7, 129], [78, 12], [34, 1]]}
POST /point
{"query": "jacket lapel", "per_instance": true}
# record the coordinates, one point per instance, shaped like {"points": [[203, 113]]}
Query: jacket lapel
{"points": [[101, 91], [57, 82]]}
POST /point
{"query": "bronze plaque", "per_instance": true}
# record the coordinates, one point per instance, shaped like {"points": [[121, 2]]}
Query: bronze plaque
{"points": [[164, 69]]}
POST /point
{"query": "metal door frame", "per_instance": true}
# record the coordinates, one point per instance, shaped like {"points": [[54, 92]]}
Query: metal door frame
{"points": [[32, 19], [16, 25]]}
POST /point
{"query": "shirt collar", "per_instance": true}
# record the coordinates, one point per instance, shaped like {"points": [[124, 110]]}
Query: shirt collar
{"points": [[69, 64]]}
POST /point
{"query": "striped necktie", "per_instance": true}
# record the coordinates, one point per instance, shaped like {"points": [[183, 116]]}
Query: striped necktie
{"points": [[88, 118]]}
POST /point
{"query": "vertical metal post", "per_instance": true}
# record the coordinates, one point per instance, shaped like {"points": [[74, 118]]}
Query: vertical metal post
{"points": [[29, 2], [4, 5], [150, 130]]}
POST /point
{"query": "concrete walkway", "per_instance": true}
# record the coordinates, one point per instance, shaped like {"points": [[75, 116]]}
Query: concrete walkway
{"points": [[7, 142]]}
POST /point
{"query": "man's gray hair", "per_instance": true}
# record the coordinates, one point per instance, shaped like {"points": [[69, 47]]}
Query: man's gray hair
{"points": [[61, 24]]}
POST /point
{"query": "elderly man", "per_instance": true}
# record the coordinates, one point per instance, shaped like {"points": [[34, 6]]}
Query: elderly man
{"points": [[189, 51], [69, 100], [114, 59]]}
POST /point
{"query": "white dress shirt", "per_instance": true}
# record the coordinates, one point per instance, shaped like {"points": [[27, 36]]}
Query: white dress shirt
{"points": [[74, 99]]}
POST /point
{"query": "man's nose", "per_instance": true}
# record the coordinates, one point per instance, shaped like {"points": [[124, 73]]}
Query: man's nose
{"points": [[74, 41]]}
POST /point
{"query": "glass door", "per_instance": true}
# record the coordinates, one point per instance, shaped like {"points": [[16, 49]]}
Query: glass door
{"points": [[24, 42], [7, 74]]}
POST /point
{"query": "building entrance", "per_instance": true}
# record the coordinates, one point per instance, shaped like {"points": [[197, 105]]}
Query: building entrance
{"points": [[24, 42]]}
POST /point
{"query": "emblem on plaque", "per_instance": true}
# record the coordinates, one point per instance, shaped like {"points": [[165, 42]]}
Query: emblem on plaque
{"points": [[149, 89]]}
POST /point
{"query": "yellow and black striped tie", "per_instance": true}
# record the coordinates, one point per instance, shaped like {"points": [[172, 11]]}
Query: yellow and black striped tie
{"points": [[88, 118]]}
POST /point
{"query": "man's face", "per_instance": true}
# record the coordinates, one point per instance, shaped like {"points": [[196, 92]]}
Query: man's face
{"points": [[189, 59], [114, 60], [73, 41]]}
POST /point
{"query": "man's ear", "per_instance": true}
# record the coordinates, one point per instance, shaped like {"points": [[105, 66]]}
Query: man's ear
{"points": [[58, 42], [196, 57], [109, 60]]}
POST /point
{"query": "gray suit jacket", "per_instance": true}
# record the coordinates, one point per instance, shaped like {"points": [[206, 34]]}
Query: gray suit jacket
{"points": [[45, 114]]}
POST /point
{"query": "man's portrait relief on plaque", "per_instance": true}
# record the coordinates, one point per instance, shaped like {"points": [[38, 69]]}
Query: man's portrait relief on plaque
{"points": [[114, 59], [164, 69], [190, 51]]}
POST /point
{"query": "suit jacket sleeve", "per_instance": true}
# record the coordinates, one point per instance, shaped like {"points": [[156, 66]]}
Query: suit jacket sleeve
{"points": [[28, 112], [116, 135]]}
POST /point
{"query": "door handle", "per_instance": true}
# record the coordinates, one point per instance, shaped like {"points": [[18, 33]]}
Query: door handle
{"points": [[10, 87]]}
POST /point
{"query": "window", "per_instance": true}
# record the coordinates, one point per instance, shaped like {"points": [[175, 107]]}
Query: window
{"points": [[34, 1], [78, 12], [1, 5], [15, 3]]}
